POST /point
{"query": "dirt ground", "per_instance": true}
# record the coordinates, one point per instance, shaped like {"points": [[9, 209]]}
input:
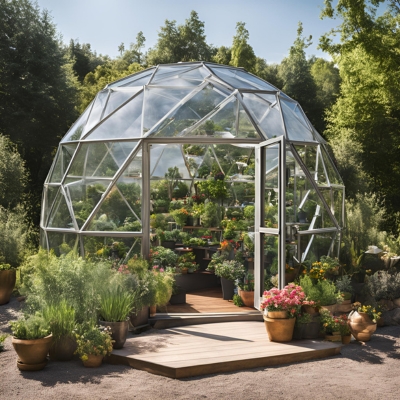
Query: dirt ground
{"points": [[361, 371]]}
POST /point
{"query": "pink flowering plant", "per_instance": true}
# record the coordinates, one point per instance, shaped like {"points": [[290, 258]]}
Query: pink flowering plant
{"points": [[288, 299]]}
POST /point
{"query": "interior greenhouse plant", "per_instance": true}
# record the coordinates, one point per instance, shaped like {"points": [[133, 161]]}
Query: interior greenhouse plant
{"points": [[201, 144]]}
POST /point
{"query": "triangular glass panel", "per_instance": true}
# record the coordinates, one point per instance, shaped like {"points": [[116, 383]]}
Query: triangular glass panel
{"points": [[197, 74], [311, 156], [253, 80], [164, 73], [114, 214], [62, 243], [49, 194], [97, 110], [60, 216], [333, 175], [194, 155], [62, 160], [295, 108], [77, 128], [312, 247], [84, 194], [188, 113], [268, 118], [126, 122], [159, 102], [309, 207], [138, 79], [294, 127], [164, 157], [338, 206], [118, 97], [231, 78], [120, 151], [246, 128]]}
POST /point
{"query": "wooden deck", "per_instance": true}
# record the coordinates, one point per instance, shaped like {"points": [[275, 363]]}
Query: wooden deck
{"points": [[214, 348], [206, 301]]}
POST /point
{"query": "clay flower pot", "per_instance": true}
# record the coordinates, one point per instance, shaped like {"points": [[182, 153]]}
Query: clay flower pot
{"points": [[247, 297], [7, 283], [279, 329], [361, 326], [93, 361], [32, 354]]}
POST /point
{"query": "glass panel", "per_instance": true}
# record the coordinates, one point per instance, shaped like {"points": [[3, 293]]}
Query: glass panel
{"points": [[246, 127], [63, 158], [124, 123], [121, 150], [63, 243], [132, 79], [197, 74], [294, 128], [256, 105], [334, 177], [43, 240], [117, 98], [270, 98], [259, 83], [84, 195], [139, 82], [49, 194], [168, 73], [121, 209], [97, 109], [189, 113], [174, 82], [313, 247], [159, 102], [271, 154], [164, 157], [194, 155], [338, 195], [60, 216], [270, 261], [117, 249], [311, 157], [76, 130], [231, 78]]}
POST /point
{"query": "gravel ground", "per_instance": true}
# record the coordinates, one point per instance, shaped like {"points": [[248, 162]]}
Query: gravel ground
{"points": [[361, 371]]}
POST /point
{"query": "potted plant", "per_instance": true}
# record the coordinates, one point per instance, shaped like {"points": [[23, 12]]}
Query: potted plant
{"points": [[330, 325], [60, 317], [178, 295], [302, 320], [166, 239], [344, 286], [162, 282], [344, 329], [115, 307], [7, 282], [180, 216], [384, 287], [362, 321], [187, 263], [246, 289], [229, 271], [282, 306], [93, 344], [31, 341], [161, 256]]}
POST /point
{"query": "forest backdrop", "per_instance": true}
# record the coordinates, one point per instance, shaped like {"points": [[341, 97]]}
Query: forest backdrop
{"points": [[353, 101]]}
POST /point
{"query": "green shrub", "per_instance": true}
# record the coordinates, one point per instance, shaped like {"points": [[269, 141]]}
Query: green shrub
{"points": [[384, 286], [116, 304], [322, 291], [61, 319], [237, 300], [3, 337], [33, 327]]}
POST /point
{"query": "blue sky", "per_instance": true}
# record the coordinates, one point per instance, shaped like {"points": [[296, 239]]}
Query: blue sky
{"points": [[272, 24]]}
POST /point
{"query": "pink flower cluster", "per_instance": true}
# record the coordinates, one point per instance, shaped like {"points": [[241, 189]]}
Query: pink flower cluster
{"points": [[156, 268], [123, 269], [289, 299]]}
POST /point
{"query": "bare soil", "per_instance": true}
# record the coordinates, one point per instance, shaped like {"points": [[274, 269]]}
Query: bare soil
{"points": [[361, 371]]}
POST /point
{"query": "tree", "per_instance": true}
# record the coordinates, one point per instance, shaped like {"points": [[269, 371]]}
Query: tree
{"points": [[223, 55], [37, 87], [367, 110], [181, 43], [242, 53], [268, 72], [294, 71]]}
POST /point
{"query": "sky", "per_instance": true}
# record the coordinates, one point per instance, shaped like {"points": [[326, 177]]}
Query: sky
{"points": [[272, 24]]}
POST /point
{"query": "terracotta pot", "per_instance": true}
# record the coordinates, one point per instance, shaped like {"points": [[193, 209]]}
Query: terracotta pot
{"points": [[279, 329], [247, 297], [63, 349], [331, 308], [346, 339], [361, 326], [184, 270], [93, 361], [7, 283], [153, 311], [290, 276], [277, 314], [119, 332], [33, 351], [344, 307]]}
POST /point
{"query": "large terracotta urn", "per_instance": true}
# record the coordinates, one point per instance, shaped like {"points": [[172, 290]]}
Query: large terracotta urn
{"points": [[247, 297], [361, 326], [279, 326]]}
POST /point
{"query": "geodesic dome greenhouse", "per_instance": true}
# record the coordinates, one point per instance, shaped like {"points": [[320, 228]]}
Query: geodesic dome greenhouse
{"points": [[148, 142]]}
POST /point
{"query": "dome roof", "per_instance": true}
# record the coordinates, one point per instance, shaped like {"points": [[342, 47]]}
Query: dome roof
{"points": [[192, 99]]}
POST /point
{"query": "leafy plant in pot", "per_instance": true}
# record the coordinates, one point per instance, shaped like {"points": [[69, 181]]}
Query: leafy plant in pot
{"points": [[115, 307], [246, 289], [93, 344], [7, 282], [61, 319], [229, 271], [31, 341]]}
